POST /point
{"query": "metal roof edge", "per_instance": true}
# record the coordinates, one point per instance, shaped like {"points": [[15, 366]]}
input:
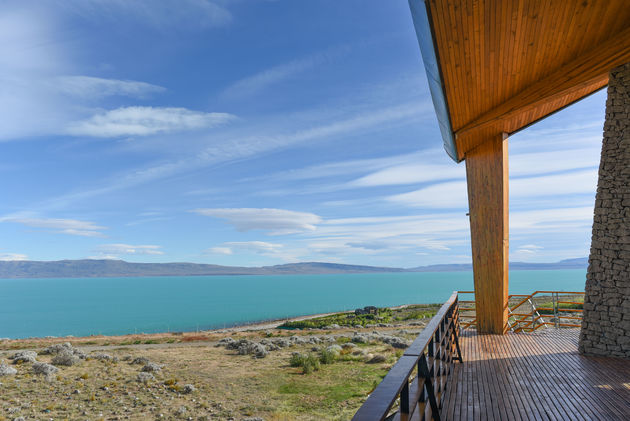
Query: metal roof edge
{"points": [[420, 13]]}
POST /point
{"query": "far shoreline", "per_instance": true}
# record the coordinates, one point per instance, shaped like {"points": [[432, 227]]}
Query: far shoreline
{"points": [[246, 327]]}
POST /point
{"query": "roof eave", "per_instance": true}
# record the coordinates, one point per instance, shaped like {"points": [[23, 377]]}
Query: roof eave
{"points": [[420, 14]]}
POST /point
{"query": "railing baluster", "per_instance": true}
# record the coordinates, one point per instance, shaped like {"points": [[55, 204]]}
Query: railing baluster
{"points": [[404, 402], [432, 353], [435, 410]]}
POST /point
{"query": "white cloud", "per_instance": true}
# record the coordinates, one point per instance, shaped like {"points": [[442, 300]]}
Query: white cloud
{"points": [[119, 249], [104, 257], [8, 257], [278, 221], [577, 182], [263, 248], [237, 147], [255, 246], [526, 250], [94, 87], [530, 247], [30, 52], [531, 163], [162, 15], [441, 195], [253, 84], [219, 250], [552, 220], [143, 121], [62, 226], [410, 174], [454, 194]]}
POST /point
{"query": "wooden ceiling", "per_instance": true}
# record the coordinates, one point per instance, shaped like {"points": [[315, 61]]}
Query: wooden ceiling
{"points": [[505, 64]]}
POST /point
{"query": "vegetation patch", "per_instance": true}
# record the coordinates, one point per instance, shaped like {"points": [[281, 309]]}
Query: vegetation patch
{"points": [[381, 316]]}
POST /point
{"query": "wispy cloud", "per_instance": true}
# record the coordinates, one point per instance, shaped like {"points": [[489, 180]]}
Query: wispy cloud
{"points": [[61, 226], [278, 221], [163, 15], [454, 194], [30, 52], [8, 257], [128, 249], [526, 250], [441, 195], [409, 174], [255, 83], [262, 248], [219, 250], [255, 246], [232, 148], [143, 121], [89, 87]]}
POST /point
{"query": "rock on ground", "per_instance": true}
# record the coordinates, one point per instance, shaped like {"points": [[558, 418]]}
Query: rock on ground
{"points": [[377, 359], [66, 358], [144, 377], [6, 370], [104, 357], [336, 349], [188, 388], [152, 368], [43, 368], [24, 357], [66, 348], [247, 347]]}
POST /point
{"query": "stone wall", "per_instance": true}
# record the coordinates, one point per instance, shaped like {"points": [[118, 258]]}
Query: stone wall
{"points": [[606, 323]]}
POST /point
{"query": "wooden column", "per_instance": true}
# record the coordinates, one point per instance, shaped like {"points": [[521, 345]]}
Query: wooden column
{"points": [[487, 176]]}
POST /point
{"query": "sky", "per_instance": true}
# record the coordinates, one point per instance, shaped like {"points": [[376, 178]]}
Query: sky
{"points": [[255, 132]]}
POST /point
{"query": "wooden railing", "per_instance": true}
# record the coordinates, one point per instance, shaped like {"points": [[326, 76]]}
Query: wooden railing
{"points": [[525, 316], [428, 362]]}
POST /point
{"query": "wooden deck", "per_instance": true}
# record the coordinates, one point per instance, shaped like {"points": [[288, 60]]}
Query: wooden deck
{"points": [[535, 376]]}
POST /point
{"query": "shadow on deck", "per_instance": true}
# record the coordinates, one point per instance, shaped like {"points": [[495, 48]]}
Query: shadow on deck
{"points": [[535, 376]]}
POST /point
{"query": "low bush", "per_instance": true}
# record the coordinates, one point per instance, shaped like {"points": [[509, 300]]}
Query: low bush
{"points": [[328, 356], [308, 362]]}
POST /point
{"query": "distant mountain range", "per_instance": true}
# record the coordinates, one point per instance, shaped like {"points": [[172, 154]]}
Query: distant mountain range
{"points": [[579, 263], [89, 268]]}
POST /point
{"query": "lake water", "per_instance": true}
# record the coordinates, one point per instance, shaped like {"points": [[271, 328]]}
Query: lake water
{"points": [[112, 306]]}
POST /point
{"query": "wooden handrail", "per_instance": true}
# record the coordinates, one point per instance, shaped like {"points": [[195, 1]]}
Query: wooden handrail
{"points": [[523, 321], [431, 355]]}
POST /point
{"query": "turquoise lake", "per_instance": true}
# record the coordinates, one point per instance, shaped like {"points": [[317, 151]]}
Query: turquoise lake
{"points": [[112, 306]]}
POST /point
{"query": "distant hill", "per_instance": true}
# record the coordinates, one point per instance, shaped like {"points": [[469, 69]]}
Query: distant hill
{"points": [[89, 268], [579, 263]]}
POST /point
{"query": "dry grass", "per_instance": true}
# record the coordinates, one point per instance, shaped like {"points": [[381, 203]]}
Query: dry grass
{"points": [[228, 386]]}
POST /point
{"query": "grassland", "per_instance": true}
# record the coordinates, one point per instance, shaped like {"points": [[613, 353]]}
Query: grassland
{"points": [[226, 385]]}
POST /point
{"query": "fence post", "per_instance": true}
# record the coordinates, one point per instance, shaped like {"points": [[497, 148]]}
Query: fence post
{"points": [[533, 315], [555, 310]]}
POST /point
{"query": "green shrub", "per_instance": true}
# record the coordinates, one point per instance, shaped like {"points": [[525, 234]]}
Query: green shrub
{"points": [[327, 356], [308, 362], [297, 359], [311, 363]]}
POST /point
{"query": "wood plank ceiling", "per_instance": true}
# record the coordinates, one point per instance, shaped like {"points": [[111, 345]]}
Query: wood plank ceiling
{"points": [[508, 63]]}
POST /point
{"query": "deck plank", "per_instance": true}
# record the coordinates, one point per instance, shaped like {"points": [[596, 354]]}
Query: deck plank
{"points": [[535, 376]]}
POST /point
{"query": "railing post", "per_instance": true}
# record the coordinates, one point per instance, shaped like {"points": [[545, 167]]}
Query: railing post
{"points": [[404, 402], [432, 355], [428, 384], [554, 297], [533, 316]]}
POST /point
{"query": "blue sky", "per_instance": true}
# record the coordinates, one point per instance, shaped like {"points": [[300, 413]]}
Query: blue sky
{"points": [[251, 132]]}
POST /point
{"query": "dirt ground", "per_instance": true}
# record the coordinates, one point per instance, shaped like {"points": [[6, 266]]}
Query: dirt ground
{"points": [[227, 386]]}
